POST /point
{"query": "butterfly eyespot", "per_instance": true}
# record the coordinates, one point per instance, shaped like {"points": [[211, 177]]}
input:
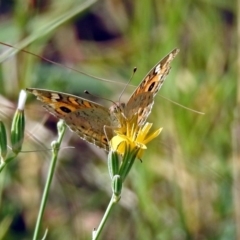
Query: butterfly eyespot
{"points": [[151, 86], [65, 109]]}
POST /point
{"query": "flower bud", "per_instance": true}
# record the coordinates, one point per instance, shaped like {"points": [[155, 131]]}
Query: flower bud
{"points": [[117, 186], [18, 124], [113, 163], [17, 131]]}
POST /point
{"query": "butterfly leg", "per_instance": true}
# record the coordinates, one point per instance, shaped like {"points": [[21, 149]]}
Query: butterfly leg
{"points": [[108, 131]]}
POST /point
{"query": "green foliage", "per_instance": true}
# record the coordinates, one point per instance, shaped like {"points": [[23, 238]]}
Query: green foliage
{"points": [[185, 186]]}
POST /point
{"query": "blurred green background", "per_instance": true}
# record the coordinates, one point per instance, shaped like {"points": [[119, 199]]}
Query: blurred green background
{"points": [[187, 186]]}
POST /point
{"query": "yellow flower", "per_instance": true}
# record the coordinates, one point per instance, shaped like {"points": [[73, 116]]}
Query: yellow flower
{"points": [[133, 136]]}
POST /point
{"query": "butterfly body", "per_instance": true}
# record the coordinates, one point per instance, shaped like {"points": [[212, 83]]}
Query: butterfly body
{"points": [[94, 122]]}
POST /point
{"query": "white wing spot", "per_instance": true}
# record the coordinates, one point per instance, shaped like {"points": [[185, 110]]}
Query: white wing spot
{"points": [[157, 69], [55, 96], [170, 56]]}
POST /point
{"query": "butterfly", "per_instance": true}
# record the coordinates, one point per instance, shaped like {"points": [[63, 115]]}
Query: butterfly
{"points": [[89, 119]]}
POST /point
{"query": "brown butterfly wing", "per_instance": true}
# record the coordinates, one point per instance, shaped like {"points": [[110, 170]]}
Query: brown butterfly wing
{"points": [[142, 99], [82, 116]]}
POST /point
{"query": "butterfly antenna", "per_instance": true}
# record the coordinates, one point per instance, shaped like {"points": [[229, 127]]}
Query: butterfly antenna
{"points": [[93, 95], [180, 105], [130, 79], [61, 65]]}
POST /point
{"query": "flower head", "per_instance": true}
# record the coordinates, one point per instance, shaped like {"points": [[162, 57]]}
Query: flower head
{"points": [[133, 136]]}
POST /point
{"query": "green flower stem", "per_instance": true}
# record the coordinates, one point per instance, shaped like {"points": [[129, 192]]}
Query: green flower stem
{"points": [[56, 147], [96, 233], [117, 181]]}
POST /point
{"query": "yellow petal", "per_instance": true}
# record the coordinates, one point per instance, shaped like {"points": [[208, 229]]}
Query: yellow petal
{"points": [[116, 141], [152, 136]]}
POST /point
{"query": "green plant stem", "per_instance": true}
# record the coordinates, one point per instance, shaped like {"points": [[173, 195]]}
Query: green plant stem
{"points": [[97, 232], [55, 152]]}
